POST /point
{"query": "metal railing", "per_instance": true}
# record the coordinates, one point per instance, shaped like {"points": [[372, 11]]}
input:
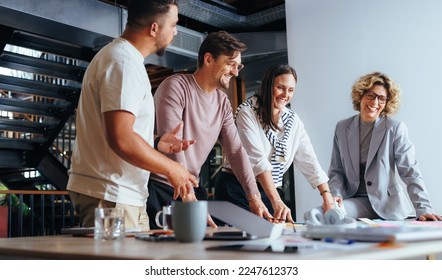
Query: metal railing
{"points": [[37, 213], [63, 144]]}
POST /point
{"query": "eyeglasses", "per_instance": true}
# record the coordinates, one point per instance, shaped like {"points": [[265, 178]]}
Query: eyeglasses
{"points": [[234, 65], [372, 96]]}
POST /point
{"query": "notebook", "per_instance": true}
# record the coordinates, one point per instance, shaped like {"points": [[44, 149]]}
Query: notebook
{"points": [[378, 234], [244, 220]]}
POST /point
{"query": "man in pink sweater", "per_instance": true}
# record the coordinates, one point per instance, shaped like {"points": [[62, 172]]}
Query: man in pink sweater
{"points": [[197, 100]]}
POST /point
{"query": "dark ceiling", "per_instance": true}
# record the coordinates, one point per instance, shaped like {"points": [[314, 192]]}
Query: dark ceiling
{"points": [[239, 7]]}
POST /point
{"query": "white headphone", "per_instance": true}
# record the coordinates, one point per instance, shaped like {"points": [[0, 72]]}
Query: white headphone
{"points": [[335, 216]]}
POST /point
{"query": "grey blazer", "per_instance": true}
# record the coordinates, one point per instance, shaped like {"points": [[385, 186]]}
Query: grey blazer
{"points": [[390, 150]]}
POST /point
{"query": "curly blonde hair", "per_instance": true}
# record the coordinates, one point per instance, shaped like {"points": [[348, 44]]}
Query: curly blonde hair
{"points": [[366, 82]]}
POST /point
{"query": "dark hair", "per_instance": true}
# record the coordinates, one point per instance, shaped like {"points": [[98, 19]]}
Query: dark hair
{"points": [[143, 13], [219, 43], [265, 94]]}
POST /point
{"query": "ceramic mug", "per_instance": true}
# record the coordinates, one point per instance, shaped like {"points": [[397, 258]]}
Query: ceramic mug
{"points": [[189, 220]]}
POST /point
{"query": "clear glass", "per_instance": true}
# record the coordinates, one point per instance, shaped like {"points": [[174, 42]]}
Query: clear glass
{"points": [[166, 215], [109, 224]]}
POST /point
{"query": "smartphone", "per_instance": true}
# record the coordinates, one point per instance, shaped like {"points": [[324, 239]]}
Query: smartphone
{"points": [[155, 237], [229, 235]]}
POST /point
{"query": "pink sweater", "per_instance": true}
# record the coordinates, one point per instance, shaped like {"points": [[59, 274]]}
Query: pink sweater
{"points": [[207, 118]]}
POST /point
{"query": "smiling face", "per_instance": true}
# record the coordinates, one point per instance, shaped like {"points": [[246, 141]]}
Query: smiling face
{"points": [[283, 89], [226, 67], [371, 109]]}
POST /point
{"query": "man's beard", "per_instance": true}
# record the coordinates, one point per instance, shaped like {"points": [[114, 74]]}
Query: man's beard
{"points": [[161, 52]]}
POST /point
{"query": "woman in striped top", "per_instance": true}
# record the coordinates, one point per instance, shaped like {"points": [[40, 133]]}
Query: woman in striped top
{"points": [[274, 137]]}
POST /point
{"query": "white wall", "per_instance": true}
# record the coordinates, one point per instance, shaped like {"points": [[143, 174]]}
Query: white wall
{"points": [[332, 43]]}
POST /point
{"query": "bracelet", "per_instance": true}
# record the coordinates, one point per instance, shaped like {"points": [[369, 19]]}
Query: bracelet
{"points": [[253, 196], [155, 142], [323, 192]]}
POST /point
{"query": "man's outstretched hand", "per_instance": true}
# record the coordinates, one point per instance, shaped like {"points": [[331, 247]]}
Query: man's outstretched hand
{"points": [[169, 143]]}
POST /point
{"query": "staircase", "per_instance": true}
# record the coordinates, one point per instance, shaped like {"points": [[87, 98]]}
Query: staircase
{"points": [[40, 80]]}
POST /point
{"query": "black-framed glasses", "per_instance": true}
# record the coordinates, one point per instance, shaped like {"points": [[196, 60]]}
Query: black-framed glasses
{"points": [[382, 99]]}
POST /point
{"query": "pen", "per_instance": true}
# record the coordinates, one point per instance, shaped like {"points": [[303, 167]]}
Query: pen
{"points": [[338, 241]]}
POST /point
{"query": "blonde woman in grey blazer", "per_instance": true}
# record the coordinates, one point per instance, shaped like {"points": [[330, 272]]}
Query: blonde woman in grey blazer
{"points": [[369, 148]]}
